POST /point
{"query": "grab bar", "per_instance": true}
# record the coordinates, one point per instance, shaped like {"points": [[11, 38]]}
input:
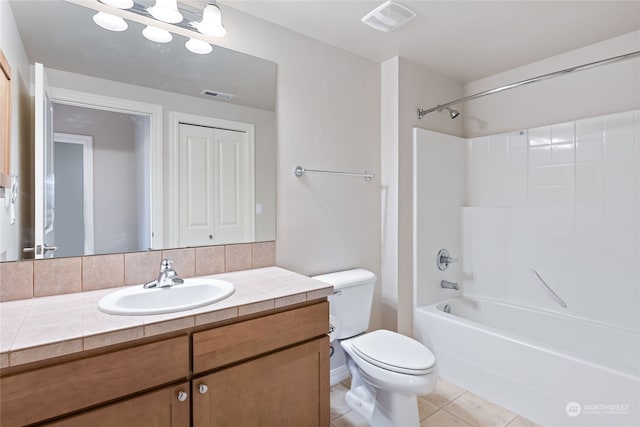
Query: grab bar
{"points": [[547, 288]]}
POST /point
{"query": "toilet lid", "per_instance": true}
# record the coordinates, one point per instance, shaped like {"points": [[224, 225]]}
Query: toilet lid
{"points": [[395, 352]]}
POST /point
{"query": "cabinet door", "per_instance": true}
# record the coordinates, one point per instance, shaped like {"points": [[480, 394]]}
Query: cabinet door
{"points": [[286, 388], [162, 408]]}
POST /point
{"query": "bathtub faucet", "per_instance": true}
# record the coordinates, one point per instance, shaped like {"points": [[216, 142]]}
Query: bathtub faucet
{"points": [[445, 284]]}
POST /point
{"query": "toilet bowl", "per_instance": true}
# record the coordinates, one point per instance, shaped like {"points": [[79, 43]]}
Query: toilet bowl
{"points": [[388, 370]]}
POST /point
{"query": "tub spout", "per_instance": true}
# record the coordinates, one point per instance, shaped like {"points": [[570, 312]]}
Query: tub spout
{"points": [[445, 284]]}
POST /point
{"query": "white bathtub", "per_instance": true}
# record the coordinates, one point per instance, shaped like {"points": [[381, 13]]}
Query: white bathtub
{"points": [[553, 369]]}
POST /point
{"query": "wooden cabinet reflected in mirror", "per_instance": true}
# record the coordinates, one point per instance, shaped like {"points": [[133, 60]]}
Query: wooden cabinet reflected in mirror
{"points": [[5, 121]]}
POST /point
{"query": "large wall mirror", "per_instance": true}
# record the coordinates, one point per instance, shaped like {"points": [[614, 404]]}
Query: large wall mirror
{"points": [[139, 154]]}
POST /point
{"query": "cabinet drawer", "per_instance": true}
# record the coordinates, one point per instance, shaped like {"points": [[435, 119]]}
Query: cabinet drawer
{"points": [[47, 392], [220, 346]]}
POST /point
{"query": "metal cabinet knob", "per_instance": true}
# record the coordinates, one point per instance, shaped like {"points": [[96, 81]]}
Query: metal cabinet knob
{"points": [[202, 388], [182, 396]]}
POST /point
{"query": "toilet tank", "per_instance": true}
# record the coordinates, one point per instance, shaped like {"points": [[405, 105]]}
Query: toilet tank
{"points": [[351, 302]]}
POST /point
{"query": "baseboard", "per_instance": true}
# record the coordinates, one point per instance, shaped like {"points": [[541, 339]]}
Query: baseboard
{"points": [[338, 374]]}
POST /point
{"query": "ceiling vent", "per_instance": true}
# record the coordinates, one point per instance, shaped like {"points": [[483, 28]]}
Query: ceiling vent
{"points": [[388, 16], [219, 95]]}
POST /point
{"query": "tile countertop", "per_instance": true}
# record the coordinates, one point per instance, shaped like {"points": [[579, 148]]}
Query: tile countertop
{"points": [[41, 328]]}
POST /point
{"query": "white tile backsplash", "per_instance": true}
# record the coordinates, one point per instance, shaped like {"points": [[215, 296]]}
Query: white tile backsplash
{"points": [[579, 185]]}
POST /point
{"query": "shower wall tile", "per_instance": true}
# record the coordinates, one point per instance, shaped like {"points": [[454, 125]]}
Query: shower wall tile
{"points": [[590, 129], [563, 154], [539, 136], [590, 150], [562, 133], [581, 209], [539, 155], [498, 167], [485, 251]]}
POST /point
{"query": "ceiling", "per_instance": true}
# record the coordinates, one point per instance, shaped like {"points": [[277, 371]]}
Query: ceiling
{"points": [[463, 40]]}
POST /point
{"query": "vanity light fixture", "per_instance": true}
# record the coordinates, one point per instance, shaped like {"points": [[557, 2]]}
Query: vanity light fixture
{"points": [[120, 4], [207, 21], [156, 34], [110, 22], [198, 46], [166, 11], [211, 24]]}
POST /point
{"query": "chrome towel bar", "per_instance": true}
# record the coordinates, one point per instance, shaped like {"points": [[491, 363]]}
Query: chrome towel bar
{"points": [[368, 176]]}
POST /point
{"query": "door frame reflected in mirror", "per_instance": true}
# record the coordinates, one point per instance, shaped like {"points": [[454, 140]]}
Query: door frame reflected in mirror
{"points": [[127, 106]]}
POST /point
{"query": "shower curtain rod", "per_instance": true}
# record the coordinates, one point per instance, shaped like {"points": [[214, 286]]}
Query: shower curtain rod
{"points": [[422, 113]]}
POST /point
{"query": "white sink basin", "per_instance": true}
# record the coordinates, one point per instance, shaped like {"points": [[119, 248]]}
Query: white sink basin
{"points": [[185, 296]]}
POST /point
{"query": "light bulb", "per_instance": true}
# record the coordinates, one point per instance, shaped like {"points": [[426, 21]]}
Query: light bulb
{"points": [[156, 34], [120, 4], [110, 22], [198, 46], [166, 11], [211, 24]]}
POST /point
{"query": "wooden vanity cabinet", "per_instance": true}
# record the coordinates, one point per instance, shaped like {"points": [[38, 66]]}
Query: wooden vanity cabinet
{"points": [[271, 370], [287, 386], [51, 391]]}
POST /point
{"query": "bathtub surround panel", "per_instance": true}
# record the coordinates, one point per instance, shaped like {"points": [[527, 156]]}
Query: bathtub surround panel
{"points": [[578, 227], [439, 165], [25, 279]]}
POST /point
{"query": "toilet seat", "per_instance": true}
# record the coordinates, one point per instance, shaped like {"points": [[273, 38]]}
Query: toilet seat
{"points": [[394, 352]]}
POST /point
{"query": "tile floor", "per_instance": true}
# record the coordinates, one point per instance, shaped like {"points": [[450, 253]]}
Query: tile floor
{"points": [[447, 406]]}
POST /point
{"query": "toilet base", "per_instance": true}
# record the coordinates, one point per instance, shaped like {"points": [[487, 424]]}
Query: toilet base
{"points": [[395, 409], [381, 407]]}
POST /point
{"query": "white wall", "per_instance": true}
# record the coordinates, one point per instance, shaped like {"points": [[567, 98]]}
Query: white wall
{"points": [[406, 87], [11, 45], [328, 113]]}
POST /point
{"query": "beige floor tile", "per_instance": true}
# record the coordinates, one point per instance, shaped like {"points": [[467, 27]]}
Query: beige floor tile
{"points": [[443, 419], [444, 393], [479, 412], [338, 405], [522, 422], [426, 408], [350, 419]]}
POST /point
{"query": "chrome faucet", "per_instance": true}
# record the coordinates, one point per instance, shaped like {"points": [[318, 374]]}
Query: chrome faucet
{"points": [[445, 284], [167, 277]]}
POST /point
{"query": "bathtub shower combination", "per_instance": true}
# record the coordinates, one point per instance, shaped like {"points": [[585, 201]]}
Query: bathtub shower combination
{"points": [[536, 362], [546, 322]]}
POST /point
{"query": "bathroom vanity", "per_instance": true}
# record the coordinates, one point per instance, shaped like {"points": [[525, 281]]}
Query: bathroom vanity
{"points": [[267, 365]]}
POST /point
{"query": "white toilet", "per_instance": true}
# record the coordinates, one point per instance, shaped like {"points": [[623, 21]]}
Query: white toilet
{"points": [[388, 370]]}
